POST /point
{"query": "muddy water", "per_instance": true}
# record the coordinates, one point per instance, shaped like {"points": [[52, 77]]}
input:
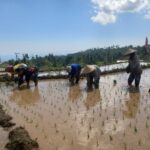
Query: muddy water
{"points": [[3, 138], [61, 117]]}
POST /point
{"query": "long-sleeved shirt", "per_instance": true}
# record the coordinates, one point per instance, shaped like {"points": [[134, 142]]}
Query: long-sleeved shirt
{"points": [[134, 64], [75, 69]]}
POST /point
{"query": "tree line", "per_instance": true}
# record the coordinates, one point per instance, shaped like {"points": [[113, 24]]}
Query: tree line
{"points": [[99, 56]]}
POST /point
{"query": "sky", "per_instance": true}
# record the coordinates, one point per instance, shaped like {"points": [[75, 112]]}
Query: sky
{"points": [[67, 26]]}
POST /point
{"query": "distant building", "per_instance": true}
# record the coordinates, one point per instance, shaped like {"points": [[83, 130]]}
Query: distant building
{"points": [[147, 46]]}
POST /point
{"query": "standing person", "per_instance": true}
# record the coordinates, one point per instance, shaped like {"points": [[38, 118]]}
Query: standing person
{"points": [[134, 67], [74, 73], [92, 73]]}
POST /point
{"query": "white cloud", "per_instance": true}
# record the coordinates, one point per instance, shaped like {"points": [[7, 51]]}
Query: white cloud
{"points": [[107, 10], [104, 18]]}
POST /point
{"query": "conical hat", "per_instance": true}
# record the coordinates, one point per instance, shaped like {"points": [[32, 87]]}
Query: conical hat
{"points": [[129, 51], [88, 68], [20, 66]]}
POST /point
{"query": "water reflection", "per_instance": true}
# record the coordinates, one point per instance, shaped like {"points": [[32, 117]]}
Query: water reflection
{"points": [[93, 97], [26, 96], [74, 93], [132, 103]]}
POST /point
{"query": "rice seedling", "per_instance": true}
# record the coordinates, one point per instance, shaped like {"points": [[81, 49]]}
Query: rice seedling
{"points": [[135, 129], [125, 146], [110, 138]]}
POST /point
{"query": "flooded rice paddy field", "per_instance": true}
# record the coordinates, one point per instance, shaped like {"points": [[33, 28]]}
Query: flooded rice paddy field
{"points": [[64, 117]]}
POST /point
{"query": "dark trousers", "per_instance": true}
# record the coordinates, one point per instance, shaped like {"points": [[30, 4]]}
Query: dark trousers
{"points": [[136, 77], [89, 81], [34, 77], [75, 77], [92, 81], [31, 76], [28, 76], [20, 79]]}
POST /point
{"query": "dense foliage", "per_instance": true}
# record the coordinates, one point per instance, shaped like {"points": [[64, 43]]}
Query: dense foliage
{"points": [[99, 56]]}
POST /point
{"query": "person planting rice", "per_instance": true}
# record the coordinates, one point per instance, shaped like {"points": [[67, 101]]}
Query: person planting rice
{"points": [[92, 73], [31, 74], [24, 73], [74, 73], [134, 67], [20, 70]]}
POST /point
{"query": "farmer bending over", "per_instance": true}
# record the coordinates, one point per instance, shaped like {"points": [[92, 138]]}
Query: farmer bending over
{"points": [[74, 73], [27, 74], [92, 73]]}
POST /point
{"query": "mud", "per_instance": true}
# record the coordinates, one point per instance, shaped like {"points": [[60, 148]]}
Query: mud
{"points": [[5, 120], [20, 140], [3, 138], [19, 137], [64, 117]]}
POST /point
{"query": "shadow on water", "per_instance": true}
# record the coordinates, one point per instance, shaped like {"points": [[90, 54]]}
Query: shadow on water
{"points": [[25, 96], [93, 97], [132, 102], [74, 93]]}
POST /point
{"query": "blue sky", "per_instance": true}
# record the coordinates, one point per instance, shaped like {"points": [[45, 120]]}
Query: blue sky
{"points": [[67, 26]]}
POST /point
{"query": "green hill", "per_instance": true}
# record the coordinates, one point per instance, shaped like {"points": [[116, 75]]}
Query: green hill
{"points": [[99, 56]]}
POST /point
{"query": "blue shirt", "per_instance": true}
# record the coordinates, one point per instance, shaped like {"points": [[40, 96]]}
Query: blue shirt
{"points": [[75, 68]]}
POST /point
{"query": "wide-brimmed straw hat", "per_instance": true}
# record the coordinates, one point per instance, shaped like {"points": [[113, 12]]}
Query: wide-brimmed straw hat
{"points": [[88, 69], [21, 65], [129, 51]]}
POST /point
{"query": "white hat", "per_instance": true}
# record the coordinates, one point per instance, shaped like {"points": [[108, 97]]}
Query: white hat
{"points": [[88, 68], [129, 51], [68, 68], [21, 65]]}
